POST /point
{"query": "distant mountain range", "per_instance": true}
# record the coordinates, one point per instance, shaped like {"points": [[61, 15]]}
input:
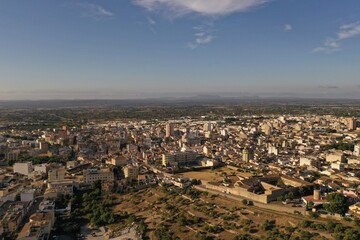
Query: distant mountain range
{"points": [[164, 101]]}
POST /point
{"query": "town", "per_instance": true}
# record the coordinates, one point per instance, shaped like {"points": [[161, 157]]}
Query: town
{"points": [[179, 120], [72, 179]]}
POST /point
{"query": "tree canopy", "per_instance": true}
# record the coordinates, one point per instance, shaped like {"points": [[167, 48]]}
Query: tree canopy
{"points": [[336, 203]]}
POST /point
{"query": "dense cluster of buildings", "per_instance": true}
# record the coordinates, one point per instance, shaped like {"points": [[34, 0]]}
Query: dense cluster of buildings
{"points": [[297, 151]]}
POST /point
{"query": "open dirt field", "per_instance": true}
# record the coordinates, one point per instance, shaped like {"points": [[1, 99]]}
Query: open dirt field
{"points": [[210, 175]]}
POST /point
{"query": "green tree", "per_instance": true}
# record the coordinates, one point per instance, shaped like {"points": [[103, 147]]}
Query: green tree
{"points": [[306, 235], [310, 205], [352, 234], [181, 219], [244, 237], [339, 228], [96, 185], [203, 236], [306, 223], [290, 196], [357, 222], [336, 203], [314, 214], [330, 226], [268, 225], [163, 233]]}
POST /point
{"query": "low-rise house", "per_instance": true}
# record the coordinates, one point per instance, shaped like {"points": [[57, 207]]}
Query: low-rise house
{"points": [[355, 209], [38, 228], [11, 215], [93, 175]]}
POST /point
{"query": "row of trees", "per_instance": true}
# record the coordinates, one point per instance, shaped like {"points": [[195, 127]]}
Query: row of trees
{"points": [[38, 160], [339, 230], [163, 232], [340, 146], [93, 206]]}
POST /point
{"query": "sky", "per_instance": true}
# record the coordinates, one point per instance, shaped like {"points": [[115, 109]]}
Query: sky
{"points": [[116, 49]]}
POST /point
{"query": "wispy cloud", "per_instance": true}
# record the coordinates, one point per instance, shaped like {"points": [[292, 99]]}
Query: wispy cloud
{"points": [[151, 21], [325, 50], [330, 45], [203, 35], [94, 10], [349, 31], [345, 32], [329, 87], [288, 27], [176, 8], [173, 9]]}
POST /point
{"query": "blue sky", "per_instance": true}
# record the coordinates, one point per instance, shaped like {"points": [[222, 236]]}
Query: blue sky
{"points": [[153, 48]]}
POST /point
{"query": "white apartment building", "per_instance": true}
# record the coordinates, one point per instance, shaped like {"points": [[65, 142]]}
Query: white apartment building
{"points": [[178, 158], [25, 168], [357, 150]]}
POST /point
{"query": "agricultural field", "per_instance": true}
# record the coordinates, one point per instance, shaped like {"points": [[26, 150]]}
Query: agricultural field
{"points": [[172, 213]]}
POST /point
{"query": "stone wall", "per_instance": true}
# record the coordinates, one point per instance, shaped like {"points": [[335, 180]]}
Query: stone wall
{"points": [[237, 191], [268, 196]]}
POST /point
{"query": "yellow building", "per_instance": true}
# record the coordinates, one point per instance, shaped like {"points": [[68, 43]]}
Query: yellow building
{"points": [[56, 174], [131, 172]]}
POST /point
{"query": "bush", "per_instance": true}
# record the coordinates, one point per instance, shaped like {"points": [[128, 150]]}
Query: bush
{"points": [[203, 236], [306, 224], [304, 235], [330, 226], [314, 214], [163, 233], [339, 228], [214, 229], [268, 225], [243, 237], [351, 234]]}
